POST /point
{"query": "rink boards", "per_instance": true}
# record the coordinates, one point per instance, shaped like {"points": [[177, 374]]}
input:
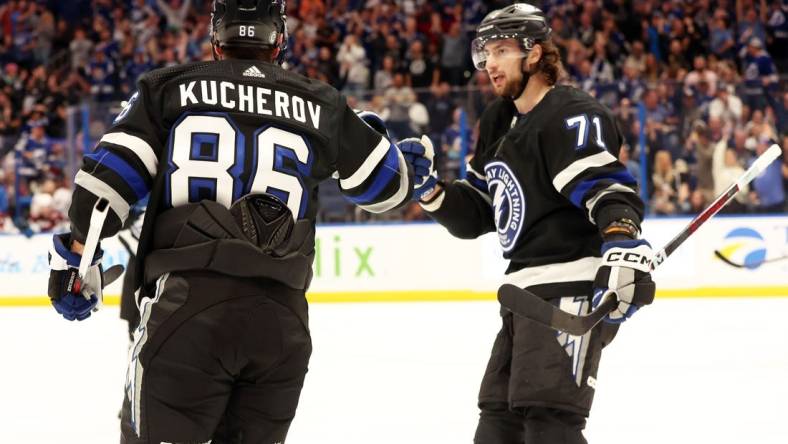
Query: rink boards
{"points": [[415, 262]]}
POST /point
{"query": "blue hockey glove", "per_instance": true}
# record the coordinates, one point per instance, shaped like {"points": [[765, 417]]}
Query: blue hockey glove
{"points": [[625, 272], [420, 154], [73, 297], [374, 121]]}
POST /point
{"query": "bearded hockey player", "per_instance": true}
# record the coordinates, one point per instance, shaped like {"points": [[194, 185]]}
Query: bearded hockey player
{"points": [[231, 153], [567, 215]]}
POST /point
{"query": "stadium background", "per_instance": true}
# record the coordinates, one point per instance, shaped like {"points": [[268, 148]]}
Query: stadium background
{"points": [[686, 370], [696, 87]]}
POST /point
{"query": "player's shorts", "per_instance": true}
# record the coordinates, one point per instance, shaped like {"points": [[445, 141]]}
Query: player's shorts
{"points": [[533, 365], [216, 359]]}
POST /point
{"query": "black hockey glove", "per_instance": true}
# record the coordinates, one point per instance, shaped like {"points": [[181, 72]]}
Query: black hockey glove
{"points": [[625, 272]]}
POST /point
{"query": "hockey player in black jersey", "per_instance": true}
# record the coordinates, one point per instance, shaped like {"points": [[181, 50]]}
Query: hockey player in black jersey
{"points": [[231, 153], [567, 215]]}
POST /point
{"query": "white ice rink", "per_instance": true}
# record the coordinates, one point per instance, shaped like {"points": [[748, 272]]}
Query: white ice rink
{"points": [[681, 371]]}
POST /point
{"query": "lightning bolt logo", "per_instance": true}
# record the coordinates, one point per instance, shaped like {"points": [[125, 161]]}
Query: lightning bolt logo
{"points": [[498, 204], [508, 201], [575, 346]]}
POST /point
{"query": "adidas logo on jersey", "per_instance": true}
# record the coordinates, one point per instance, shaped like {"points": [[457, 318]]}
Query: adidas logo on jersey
{"points": [[254, 72]]}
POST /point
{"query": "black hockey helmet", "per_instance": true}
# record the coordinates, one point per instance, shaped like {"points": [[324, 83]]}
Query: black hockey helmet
{"points": [[523, 22], [250, 23]]}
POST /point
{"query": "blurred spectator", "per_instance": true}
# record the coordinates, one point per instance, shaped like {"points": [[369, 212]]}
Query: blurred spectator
{"points": [[384, 77], [352, 60], [726, 105], [625, 157], [777, 27], [80, 49], [701, 73], [421, 70], [768, 194], [750, 22], [175, 11], [726, 169], [399, 97], [760, 75], [451, 147], [722, 43], [701, 145], [44, 216], [440, 106], [667, 184], [454, 56]]}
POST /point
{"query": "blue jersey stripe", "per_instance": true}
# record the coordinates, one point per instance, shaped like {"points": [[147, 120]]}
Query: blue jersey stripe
{"points": [[126, 172], [388, 169], [477, 183], [582, 188]]}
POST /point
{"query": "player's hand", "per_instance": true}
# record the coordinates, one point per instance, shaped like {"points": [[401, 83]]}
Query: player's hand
{"points": [[374, 121], [73, 297], [625, 273], [420, 154]]}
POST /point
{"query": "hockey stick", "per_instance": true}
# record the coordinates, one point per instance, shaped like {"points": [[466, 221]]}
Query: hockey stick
{"points": [[526, 304], [737, 265]]}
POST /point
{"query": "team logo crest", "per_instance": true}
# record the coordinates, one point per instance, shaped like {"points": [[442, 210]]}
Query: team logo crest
{"points": [[508, 203], [126, 108]]}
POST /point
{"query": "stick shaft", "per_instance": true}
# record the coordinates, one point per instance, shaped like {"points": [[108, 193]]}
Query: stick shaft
{"points": [[760, 164]]}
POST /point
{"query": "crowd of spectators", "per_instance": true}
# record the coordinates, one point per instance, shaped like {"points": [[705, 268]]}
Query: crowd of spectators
{"points": [[706, 73]]}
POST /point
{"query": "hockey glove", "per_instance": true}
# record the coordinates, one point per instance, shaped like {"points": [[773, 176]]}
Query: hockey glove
{"points": [[374, 121], [625, 273], [420, 154], [73, 297]]}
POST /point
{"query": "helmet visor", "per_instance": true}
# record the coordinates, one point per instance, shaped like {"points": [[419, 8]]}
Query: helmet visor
{"points": [[498, 47]]}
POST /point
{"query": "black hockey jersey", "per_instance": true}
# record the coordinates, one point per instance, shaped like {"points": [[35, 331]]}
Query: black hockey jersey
{"points": [[545, 186], [220, 130]]}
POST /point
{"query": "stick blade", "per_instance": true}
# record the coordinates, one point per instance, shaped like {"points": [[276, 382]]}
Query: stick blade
{"points": [[112, 274], [530, 306]]}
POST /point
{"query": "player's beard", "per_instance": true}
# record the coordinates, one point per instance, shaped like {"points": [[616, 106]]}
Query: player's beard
{"points": [[512, 87]]}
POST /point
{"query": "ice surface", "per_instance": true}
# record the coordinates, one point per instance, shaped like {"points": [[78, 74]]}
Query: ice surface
{"points": [[681, 371]]}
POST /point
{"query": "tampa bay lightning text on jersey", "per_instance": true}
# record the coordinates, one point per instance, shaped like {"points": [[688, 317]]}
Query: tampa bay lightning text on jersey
{"points": [[508, 203]]}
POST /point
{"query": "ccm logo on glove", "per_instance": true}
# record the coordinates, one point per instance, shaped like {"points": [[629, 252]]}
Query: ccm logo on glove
{"points": [[634, 258]]}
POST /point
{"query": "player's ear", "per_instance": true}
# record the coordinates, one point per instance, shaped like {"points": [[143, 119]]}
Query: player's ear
{"points": [[535, 55], [218, 54]]}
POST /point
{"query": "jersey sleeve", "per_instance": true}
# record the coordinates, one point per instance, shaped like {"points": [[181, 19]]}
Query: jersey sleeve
{"points": [[580, 149], [373, 173], [121, 168], [464, 206]]}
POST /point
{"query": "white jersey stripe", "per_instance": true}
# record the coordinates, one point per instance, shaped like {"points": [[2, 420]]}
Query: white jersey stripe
{"points": [[614, 188], [578, 270], [137, 146], [578, 166], [401, 193], [101, 189], [366, 168]]}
